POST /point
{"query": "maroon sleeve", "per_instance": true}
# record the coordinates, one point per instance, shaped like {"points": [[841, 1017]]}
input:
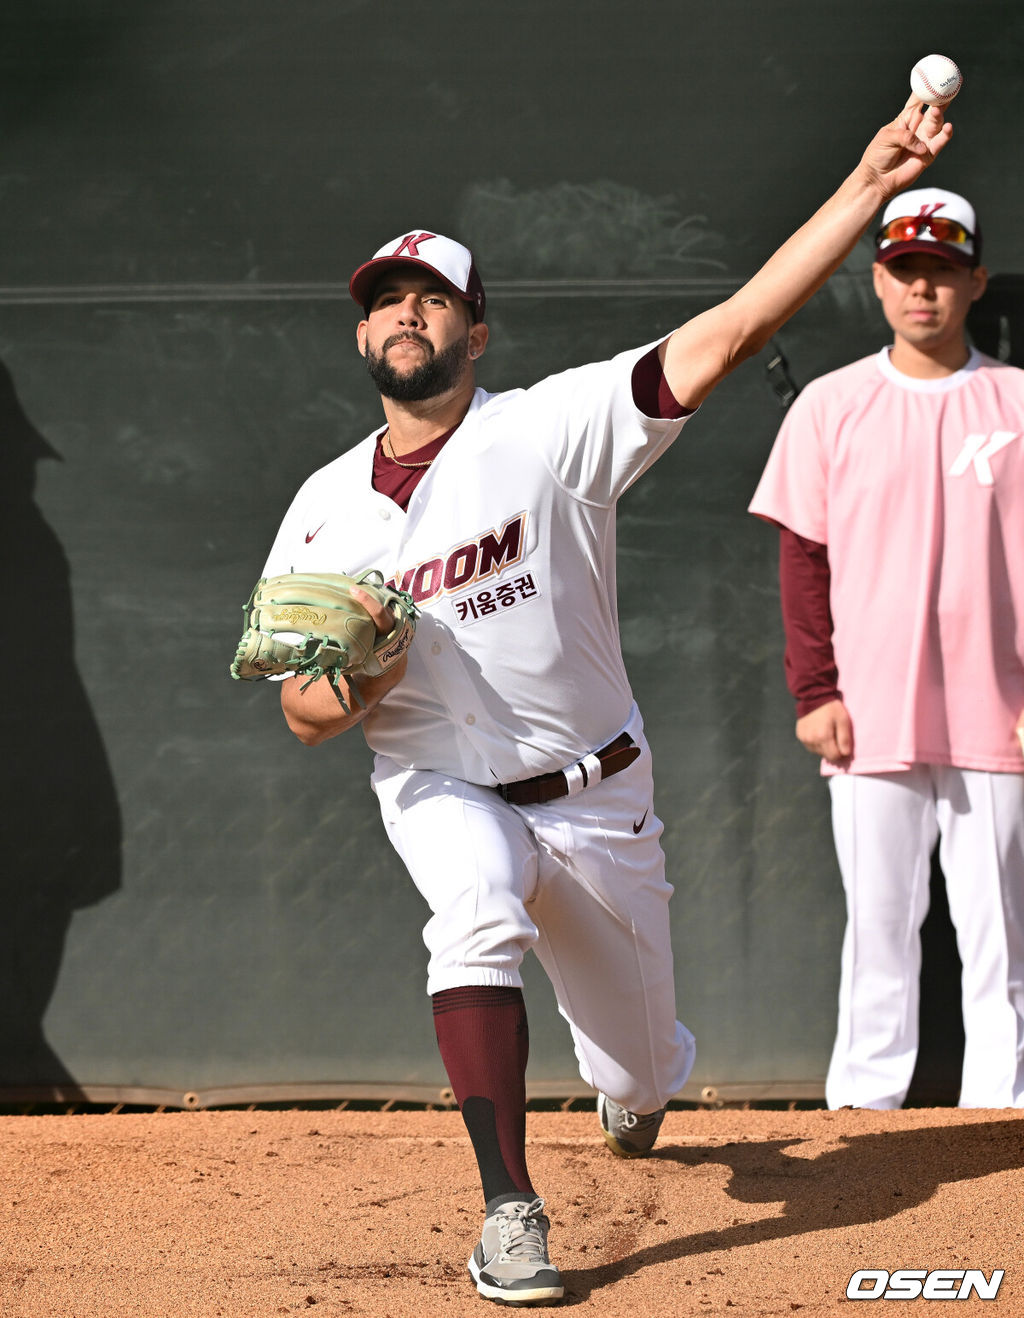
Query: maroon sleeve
{"points": [[651, 393], [804, 581]]}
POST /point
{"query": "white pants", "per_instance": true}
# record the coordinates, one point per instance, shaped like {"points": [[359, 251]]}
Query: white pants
{"points": [[582, 881], [886, 827]]}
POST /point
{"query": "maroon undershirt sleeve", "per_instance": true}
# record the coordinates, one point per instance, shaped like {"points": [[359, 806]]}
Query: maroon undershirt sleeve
{"points": [[804, 582], [651, 393]]}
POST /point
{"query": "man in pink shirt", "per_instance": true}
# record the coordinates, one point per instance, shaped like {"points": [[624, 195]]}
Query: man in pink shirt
{"points": [[897, 484]]}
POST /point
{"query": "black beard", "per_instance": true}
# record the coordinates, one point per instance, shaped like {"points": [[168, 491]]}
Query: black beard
{"points": [[439, 373]]}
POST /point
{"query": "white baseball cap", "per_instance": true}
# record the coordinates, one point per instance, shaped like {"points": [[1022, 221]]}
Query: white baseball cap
{"points": [[929, 220], [444, 257]]}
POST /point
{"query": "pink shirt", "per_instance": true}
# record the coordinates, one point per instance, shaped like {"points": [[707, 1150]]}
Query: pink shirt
{"points": [[917, 489]]}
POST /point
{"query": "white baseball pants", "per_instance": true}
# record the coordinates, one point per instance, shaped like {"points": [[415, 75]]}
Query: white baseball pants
{"points": [[582, 881], [886, 827]]}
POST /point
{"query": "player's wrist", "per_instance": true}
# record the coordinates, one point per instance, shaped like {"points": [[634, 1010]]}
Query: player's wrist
{"points": [[863, 191], [808, 704]]}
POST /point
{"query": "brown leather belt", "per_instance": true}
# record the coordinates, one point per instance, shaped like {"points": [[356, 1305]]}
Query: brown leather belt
{"points": [[617, 755]]}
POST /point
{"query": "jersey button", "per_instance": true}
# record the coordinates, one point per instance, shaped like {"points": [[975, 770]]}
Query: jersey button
{"points": [[470, 718], [436, 648], [384, 514]]}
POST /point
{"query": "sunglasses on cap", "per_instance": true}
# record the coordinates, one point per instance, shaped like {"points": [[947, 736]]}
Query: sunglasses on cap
{"points": [[907, 227]]}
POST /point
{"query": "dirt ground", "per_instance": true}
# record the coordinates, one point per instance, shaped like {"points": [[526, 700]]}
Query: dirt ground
{"points": [[253, 1214]]}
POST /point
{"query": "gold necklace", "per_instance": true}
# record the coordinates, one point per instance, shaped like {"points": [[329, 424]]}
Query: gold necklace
{"points": [[389, 450]]}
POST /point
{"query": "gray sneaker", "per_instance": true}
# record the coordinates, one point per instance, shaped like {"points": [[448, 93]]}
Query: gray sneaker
{"points": [[511, 1263], [628, 1134]]}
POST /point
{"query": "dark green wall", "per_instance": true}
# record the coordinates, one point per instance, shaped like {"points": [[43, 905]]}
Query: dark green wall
{"points": [[192, 901]]}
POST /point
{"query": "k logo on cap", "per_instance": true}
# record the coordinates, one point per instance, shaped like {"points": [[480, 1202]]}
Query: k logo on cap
{"points": [[450, 261]]}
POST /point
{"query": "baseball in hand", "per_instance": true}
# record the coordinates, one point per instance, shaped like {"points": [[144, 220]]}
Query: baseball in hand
{"points": [[935, 80]]}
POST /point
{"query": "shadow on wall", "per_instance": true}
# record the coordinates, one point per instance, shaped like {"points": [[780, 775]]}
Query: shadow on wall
{"points": [[60, 825]]}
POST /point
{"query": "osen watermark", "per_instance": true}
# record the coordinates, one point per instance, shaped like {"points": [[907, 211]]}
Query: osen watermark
{"points": [[915, 1283]]}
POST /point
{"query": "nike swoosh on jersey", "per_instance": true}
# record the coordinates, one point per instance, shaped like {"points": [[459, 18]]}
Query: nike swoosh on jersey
{"points": [[310, 535], [638, 827]]}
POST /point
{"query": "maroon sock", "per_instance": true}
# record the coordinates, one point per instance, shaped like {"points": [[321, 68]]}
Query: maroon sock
{"points": [[484, 1042]]}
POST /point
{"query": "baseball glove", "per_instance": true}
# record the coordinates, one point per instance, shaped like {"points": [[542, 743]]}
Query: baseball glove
{"points": [[309, 623]]}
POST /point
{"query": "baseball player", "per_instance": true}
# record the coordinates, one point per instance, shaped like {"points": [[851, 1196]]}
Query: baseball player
{"points": [[511, 767], [898, 486]]}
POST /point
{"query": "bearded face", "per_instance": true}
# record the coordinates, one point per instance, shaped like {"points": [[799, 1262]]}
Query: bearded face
{"points": [[436, 374]]}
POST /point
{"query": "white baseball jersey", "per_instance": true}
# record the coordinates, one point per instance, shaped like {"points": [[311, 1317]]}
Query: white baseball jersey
{"points": [[508, 548], [917, 488]]}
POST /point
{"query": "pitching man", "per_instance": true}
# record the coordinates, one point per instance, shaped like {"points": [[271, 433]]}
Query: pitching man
{"points": [[511, 767], [898, 485]]}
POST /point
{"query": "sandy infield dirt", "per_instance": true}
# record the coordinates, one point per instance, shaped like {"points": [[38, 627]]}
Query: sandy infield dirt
{"points": [[253, 1214]]}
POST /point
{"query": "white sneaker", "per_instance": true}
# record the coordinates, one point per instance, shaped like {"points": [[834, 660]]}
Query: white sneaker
{"points": [[511, 1264], [628, 1134]]}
